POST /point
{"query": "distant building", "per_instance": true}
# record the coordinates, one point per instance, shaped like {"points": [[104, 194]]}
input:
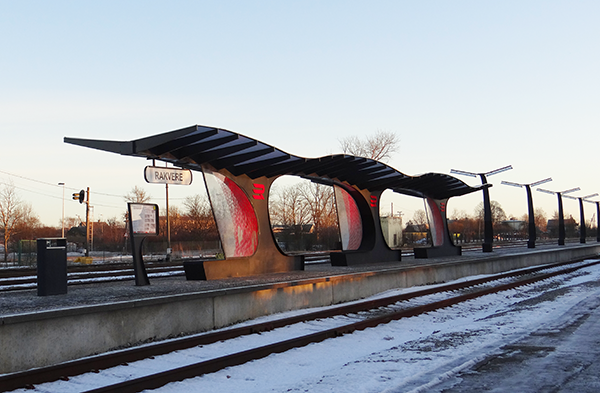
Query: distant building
{"points": [[514, 225], [392, 230], [416, 233], [570, 227], [293, 237]]}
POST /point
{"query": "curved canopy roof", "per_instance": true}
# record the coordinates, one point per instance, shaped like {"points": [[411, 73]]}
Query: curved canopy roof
{"points": [[194, 146]]}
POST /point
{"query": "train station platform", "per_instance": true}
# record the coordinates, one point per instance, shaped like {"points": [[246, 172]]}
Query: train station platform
{"points": [[98, 317]]}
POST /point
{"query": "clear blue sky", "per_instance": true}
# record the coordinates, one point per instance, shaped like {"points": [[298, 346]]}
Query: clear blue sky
{"points": [[469, 85]]}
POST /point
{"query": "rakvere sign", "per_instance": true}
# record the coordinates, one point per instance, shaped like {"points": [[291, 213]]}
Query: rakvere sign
{"points": [[163, 175]]}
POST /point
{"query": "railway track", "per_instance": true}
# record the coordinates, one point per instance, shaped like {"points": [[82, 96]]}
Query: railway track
{"points": [[25, 278], [17, 279], [28, 280], [359, 316]]}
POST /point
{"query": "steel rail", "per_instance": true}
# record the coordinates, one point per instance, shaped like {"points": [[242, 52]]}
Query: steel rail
{"points": [[7, 284], [22, 276], [116, 265], [31, 271], [178, 374], [76, 367], [75, 273]]}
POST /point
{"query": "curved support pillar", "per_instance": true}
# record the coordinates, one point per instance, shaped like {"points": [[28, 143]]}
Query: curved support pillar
{"points": [[582, 233], [532, 230], [598, 221], [561, 221], [488, 227], [360, 228], [440, 235], [240, 207]]}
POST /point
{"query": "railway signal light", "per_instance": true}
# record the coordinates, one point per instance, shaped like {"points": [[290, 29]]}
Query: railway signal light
{"points": [[79, 196]]}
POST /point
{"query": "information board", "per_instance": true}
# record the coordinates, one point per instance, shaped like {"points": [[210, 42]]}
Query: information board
{"points": [[143, 218]]}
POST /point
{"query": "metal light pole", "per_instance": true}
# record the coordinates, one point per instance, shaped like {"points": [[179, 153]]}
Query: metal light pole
{"points": [[488, 229], [63, 209], [561, 216], [597, 216], [532, 231], [582, 230]]}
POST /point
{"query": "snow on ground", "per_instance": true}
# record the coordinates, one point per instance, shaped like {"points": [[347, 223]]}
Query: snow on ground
{"points": [[409, 355], [72, 278]]}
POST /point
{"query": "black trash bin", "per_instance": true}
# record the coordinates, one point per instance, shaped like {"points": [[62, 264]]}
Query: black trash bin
{"points": [[51, 266]]}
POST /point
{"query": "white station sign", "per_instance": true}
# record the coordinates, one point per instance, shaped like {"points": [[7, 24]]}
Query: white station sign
{"points": [[163, 175]]}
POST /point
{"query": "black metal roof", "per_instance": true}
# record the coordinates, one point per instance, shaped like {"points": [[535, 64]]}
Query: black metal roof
{"points": [[194, 146]]}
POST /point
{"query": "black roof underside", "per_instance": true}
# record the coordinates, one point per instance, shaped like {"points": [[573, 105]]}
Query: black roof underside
{"points": [[194, 146]]}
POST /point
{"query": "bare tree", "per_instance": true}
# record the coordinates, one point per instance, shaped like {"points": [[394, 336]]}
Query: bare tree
{"points": [[11, 214], [29, 223], [137, 195], [320, 203], [380, 146], [420, 217], [71, 222], [199, 214], [295, 206], [498, 214], [458, 215], [197, 206], [112, 233], [539, 219], [288, 207]]}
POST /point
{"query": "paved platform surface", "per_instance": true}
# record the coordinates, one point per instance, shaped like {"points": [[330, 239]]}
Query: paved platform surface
{"points": [[27, 301], [560, 357]]}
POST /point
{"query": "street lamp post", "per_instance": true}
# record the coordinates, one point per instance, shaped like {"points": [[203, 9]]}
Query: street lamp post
{"points": [[582, 231], [532, 230], [169, 249], [63, 209], [597, 203], [488, 229], [561, 216]]}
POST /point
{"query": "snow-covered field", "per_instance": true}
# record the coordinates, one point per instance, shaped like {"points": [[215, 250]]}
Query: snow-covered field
{"points": [[418, 354]]}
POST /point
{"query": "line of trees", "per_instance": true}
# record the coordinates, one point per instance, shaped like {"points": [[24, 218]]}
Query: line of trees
{"points": [[304, 217], [18, 220], [467, 228]]}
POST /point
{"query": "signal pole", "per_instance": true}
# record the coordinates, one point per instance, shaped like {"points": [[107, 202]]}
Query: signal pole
{"points": [[80, 196], [169, 250], [87, 223], [63, 209]]}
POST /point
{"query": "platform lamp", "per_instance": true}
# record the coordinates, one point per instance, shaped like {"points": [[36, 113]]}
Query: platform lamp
{"points": [[597, 216], [582, 234], [532, 231], [561, 217], [63, 209], [488, 228]]}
